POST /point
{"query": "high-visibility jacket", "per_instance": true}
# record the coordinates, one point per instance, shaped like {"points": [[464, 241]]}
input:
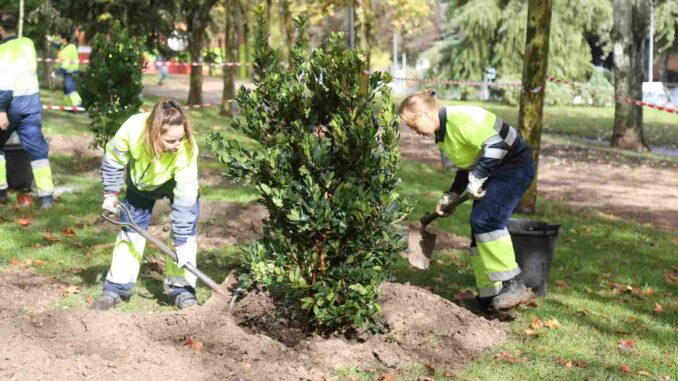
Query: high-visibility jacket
{"points": [[477, 140], [128, 152], [19, 90], [68, 59]]}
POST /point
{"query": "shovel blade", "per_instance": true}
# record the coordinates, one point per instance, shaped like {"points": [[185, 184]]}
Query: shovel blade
{"points": [[420, 245]]}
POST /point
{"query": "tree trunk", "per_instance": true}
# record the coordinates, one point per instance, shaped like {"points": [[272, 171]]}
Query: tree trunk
{"points": [[365, 34], [628, 35], [287, 31], [663, 69], [535, 63], [231, 55], [197, 33]]}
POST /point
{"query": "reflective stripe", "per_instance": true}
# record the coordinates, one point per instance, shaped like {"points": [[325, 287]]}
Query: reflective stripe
{"points": [[511, 136], [112, 162], [474, 251], [500, 276], [494, 153], [127, 254], [3, 172], [487, 292], [493, 140], [498, 123], [492, 236], [42, 163]]}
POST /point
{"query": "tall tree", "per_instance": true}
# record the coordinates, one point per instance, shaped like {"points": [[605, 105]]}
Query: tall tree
{"points": [[535, 64], [197, 14], [630, 30], [231, 50]]}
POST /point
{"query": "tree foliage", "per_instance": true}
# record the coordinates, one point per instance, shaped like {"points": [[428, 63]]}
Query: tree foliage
{"points": [[327, 171], [111, 87]]}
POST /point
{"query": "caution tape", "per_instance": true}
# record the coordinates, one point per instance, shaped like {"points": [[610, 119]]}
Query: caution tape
{"points": [[459, 82], [646, 104], [142, 109], [151, 63]]}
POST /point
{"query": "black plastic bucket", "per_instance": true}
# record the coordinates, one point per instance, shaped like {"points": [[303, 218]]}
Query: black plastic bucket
{"points": [[19, 172], [534, 244]]}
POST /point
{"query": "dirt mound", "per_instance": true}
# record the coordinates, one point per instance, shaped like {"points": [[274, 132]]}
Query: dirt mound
{"points": [[76, 344]]}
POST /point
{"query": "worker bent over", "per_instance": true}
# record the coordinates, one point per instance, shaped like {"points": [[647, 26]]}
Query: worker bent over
{"points": [[495, 169]]}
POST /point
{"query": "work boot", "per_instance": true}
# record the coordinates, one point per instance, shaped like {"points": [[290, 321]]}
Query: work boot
{"points": [[3, 196], [185, 300], [478, 305], [47, 202], [106, 301], [512, 294]]}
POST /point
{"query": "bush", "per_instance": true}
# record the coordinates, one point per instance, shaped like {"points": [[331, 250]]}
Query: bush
{"points": [[326, 171], [112, 85]]}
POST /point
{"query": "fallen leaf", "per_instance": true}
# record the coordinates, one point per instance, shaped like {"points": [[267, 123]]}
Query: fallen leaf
{"points": [[563, 284], [448, 374], [23, 221], [89, 300], [192, 343], [531, 332], [630, 319], [463, 295], [671, 276], [71, 290], [24, 199], [624, 368], [385, 377], [68, 232], [39, 263], [588, 231], [627, 345], [532, 303], [48, 235], [571, 363], [536, 323], [553, 324], [644, 373], [13, 261], [506, 357], [658, 308], [430, 369], [583, 312], [648, 291]]}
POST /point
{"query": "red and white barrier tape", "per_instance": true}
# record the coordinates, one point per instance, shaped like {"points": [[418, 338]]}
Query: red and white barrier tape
{"points": [[648, 105], [151, 63], [143, 109], [459, 82]]}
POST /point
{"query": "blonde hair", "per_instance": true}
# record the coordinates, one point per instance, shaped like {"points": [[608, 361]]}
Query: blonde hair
{"points": [[417, 104], [167, 112]]}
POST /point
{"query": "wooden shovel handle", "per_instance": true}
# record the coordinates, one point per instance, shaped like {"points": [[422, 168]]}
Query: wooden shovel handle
{"points": [[430, 217]]}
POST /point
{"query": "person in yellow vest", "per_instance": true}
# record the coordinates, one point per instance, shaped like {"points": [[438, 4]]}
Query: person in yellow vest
{"points": [[68, 65], [157, 155], [495, 169], [20, 107]]}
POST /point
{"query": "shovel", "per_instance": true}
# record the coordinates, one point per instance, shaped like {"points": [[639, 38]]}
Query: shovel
{"points": [[420, 242], [165, 250]]}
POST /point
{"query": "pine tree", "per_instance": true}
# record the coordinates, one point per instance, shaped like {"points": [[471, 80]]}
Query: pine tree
{"points": [[326, 170]]}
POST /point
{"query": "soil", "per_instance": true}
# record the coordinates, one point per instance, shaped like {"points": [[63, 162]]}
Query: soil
{"points": [[618, 186], [207, 342]]}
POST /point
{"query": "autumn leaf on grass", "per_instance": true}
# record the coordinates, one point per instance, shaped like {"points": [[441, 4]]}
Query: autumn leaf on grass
{"points": [[624, 368], [658, 308], [68, 232], [386, 377], [25, 200], [13, 261], [572, 363], [509, 358], [627, 345], [71, 290], [48, 235], [671, 276], [463, 295], [532, 332], [39, 263], [89, 300], [24, 221], [192, 343], [563, 284], [553, 324], [536, 323]]}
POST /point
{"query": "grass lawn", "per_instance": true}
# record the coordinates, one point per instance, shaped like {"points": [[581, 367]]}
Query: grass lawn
{"points": [[600, 320]]}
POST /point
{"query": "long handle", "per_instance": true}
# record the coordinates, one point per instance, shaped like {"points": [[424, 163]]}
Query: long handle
{"points": [[188, 266], [430, 217]]}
